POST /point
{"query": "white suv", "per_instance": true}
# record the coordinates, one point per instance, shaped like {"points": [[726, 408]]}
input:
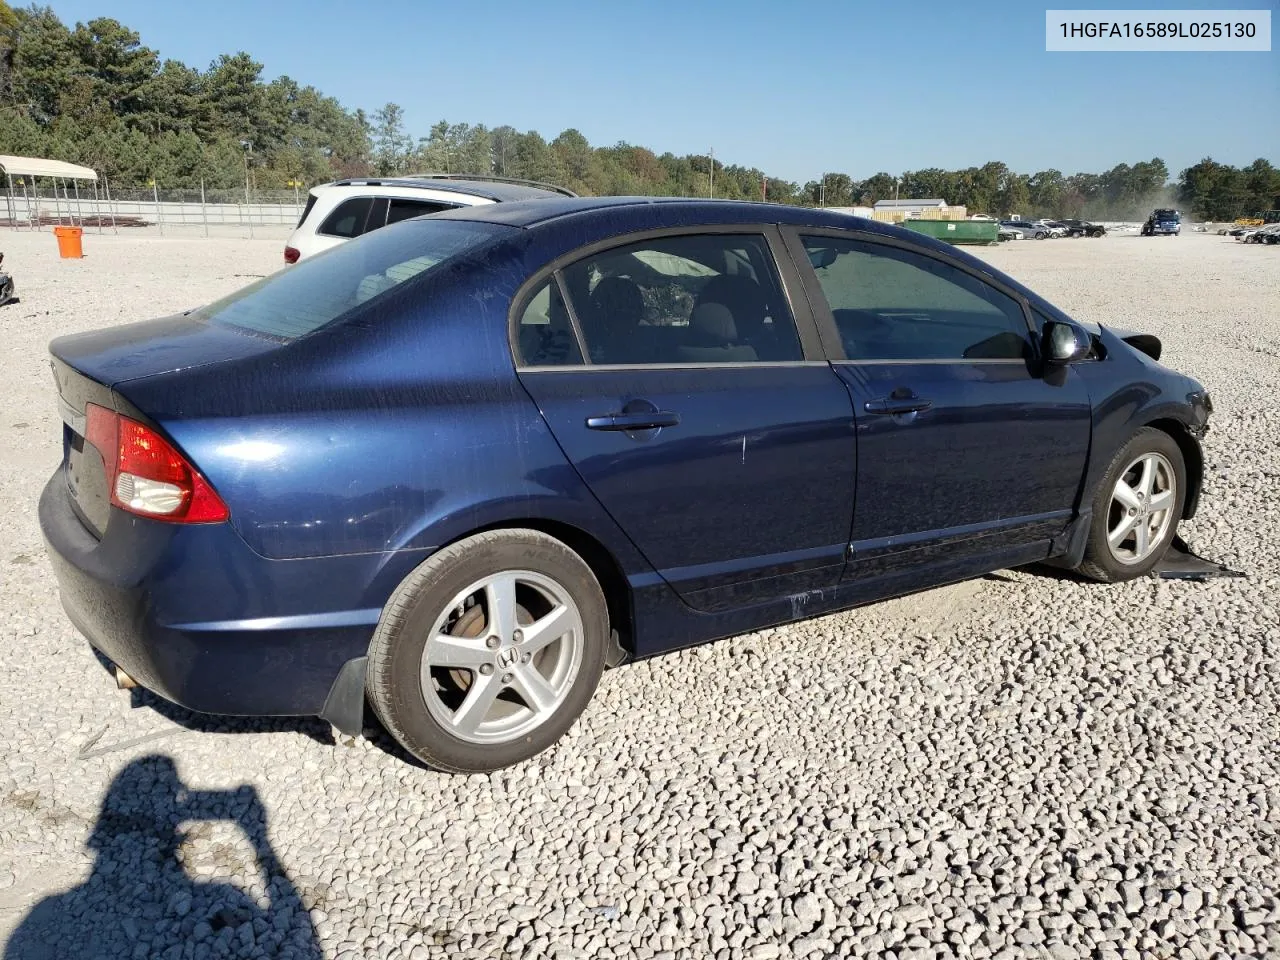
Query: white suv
{"points": [[340, 211]]}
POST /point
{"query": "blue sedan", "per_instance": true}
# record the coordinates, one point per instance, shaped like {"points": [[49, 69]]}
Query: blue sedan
{"points": [[454, 469]]}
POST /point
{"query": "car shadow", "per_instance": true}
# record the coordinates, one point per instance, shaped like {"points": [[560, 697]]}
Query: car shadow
{"points": [[1056, 573], [140, 901], [142, 698]]}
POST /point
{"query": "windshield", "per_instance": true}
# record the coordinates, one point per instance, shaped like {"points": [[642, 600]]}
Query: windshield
{"points": [[301, 299], [1166, 214]]}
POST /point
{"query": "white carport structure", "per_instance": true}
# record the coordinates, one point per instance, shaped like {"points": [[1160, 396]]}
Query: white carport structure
{"points": [[60, 173]]}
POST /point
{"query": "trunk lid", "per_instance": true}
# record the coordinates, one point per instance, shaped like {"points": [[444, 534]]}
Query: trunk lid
{"points": [[86, 368], [136, 350]]}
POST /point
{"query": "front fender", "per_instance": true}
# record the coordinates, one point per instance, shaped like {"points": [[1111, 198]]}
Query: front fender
{"points": [[1120, 411]]}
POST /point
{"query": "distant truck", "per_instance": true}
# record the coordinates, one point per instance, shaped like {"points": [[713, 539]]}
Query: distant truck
{"points": [[1165, 223]]}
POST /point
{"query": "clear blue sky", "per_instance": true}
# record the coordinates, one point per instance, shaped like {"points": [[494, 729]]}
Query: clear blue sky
{"points": [[794, 89]]}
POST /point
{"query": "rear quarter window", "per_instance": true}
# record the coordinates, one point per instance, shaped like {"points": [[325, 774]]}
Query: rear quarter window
{"points": [[295, 302]]}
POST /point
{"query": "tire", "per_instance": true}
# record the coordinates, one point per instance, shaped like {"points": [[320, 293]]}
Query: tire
{"points": [[424, 704], [1111, 564], [1040, 235]]}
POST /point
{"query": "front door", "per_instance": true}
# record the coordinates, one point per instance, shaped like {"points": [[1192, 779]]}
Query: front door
{"points": [[675, 380], [965, 450]]}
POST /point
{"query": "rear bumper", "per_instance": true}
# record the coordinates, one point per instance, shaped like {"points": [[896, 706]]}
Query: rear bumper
{"points": [[194, 615]]}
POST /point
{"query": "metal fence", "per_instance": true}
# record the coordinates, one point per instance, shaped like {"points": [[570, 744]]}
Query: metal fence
{"points": [[33, 204]]}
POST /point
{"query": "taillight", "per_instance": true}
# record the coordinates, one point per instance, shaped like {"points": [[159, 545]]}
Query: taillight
{"points": [[146, 475], [291, 254]]}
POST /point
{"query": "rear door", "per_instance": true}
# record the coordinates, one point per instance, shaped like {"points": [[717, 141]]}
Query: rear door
{"points": [[689, 390], [964, 448]]}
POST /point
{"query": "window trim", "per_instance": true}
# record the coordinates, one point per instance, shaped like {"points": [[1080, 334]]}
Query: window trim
{"points": [[793, 236], [791, 281]]}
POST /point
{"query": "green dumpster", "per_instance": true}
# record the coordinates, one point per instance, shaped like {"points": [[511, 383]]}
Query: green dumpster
{"points": [[956, 231]]}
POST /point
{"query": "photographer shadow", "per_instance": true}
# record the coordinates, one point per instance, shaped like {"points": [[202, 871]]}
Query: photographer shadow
{"points": [[140, 901]]}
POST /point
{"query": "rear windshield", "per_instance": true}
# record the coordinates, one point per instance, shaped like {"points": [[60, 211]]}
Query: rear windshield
{"points": [[301, 299], [1167, 214]]}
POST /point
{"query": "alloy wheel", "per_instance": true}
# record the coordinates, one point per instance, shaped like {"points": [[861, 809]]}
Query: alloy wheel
{"points": [[1141, 509], [502, 657]]}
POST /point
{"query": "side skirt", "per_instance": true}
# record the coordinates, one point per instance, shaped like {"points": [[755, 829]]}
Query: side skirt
{"points": [[664, 623]]}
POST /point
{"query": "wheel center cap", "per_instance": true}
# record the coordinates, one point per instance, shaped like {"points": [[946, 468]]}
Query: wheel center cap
{"points": [[507, 658]]}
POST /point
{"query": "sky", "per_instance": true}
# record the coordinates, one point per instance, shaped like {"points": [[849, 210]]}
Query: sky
{"points": [[794, 89]]}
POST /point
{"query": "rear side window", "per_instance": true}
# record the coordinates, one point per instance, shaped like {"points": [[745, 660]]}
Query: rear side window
{"points": [[347, 220], [893, 304], [686, 299], [319, 290], [402, 209]]}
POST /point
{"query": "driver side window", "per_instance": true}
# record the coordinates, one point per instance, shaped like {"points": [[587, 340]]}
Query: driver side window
{"points": [[894, 304]]}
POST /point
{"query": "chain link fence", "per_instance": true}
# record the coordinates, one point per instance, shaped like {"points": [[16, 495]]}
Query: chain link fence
{"points": [[31, 204]]}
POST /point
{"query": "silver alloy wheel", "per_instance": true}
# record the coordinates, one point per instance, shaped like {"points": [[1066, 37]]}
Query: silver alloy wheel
{"points": [[1141, 509], [502, 657]]}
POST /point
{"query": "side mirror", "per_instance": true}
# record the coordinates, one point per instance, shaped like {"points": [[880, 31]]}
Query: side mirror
{"points": [[1065, 343]]}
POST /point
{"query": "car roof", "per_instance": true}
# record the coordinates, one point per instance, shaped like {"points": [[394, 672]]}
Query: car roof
{"points": [[497, 189], [675, 210], [569, 223]]}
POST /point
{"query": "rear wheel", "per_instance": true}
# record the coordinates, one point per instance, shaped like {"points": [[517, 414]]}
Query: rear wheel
{"points": [[1136, 508], [489, 651]]}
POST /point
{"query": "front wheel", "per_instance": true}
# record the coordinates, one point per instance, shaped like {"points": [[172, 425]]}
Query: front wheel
{"points": [[1136, 508], [1040, 235], [488, 652]]}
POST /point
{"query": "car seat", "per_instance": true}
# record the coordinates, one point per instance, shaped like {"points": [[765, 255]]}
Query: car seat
{"points": [[612, 324], [713, 338]]}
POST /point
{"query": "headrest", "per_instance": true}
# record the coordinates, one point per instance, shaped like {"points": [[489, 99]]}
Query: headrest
{"points": [[618, 295], [713, 321]]}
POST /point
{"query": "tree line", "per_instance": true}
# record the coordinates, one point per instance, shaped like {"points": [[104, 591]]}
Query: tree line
{"points": [[94, 94]]}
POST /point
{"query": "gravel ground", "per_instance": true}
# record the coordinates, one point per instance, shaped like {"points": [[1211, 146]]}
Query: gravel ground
{"points": [[1020, 766]]}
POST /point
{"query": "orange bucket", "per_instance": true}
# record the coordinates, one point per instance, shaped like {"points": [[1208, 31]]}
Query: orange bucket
{"points": [[69, 242]]}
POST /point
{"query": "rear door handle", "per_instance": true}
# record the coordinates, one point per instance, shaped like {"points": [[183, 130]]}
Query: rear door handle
{"points": [[649, 420], [891, 405]]}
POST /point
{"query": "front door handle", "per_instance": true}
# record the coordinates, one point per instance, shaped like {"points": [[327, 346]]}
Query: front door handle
{"points": [[892, 405], [649, 420]]}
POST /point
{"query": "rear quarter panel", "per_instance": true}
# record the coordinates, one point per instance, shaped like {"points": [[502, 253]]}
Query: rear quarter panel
{"points": [[400, 429]]}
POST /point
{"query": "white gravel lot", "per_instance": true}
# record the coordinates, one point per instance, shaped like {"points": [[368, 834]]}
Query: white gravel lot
{"points": [[1021, 766]]}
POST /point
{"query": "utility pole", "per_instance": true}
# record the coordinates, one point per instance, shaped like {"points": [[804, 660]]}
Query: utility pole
{"points": [[712, 192], [248, 145], [822, 192]]}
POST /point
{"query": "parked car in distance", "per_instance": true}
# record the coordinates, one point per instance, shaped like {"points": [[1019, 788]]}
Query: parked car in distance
{"points": [[1028, 230], [1163, 222], [981, 216], [1268, 234], [460, 464], [346, 209], [1083, 228], [1008, 233], [1055, 228]]}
